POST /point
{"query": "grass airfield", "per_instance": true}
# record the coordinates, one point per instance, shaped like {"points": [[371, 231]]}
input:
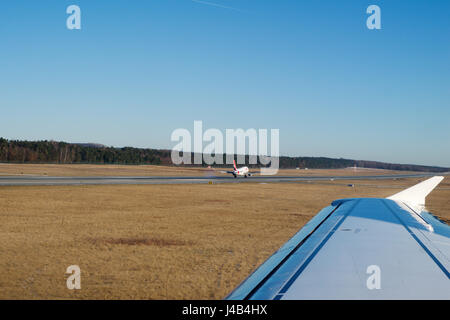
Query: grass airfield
{"points": [[158, 241]]}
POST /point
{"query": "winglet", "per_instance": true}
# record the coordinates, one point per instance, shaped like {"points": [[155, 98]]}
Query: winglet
{"points": [[415, 195]]}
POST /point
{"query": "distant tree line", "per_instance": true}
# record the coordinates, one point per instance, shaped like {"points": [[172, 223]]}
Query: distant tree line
{"points": [[62, 152], [331, 163], [17, 151]]}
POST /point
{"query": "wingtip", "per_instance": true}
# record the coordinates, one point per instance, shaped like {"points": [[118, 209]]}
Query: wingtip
{"points": [[416, 194]]}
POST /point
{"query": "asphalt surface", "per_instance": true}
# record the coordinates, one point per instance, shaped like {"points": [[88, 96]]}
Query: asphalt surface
{"points": [[52, 181]]}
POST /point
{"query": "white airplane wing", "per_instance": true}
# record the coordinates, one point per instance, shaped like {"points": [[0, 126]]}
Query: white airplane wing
{"points": [[365, 248]]}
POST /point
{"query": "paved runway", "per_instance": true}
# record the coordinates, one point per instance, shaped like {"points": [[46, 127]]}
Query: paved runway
{"points": [[51, 181]]}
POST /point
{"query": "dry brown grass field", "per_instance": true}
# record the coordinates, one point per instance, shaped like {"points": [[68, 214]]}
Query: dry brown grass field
{"points": [[159, 241], [83, 170]]}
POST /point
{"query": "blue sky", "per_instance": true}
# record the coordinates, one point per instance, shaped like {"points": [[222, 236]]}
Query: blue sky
{"points": [[137, 70]]}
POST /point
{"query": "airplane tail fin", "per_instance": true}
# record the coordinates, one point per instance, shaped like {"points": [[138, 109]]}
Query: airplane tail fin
{"points": [[415, 195], [234, 164]]}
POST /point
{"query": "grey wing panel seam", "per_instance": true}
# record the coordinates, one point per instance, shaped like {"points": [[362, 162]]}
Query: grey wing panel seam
{"points": [[252, 292], [311, 256], [445, 260], [419, 241]]}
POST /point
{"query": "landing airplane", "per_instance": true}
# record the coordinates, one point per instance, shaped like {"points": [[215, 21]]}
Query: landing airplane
{"points": [[242, 172], [362, 248]]}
